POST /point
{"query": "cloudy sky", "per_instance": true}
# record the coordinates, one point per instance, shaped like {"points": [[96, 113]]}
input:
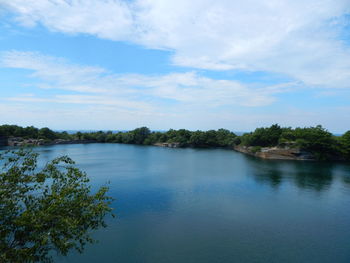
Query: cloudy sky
{"points": [[199, 64]]}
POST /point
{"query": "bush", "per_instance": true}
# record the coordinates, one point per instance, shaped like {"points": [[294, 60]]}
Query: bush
{"points": [[256, 149]]}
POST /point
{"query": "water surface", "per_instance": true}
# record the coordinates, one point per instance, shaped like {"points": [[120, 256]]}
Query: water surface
{"points": [[208, 206]]}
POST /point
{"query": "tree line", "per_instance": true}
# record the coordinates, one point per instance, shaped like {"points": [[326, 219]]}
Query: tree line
{"points": [[31, 132], [316, 140]]}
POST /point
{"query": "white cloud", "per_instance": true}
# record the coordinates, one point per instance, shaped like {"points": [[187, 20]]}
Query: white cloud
{"points": [[76, 96], [297, 38], [105, 19], [51, 69], [128, 101], [133, 91]]}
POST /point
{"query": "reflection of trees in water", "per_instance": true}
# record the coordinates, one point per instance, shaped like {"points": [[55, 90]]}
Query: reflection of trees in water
{"points": [[314, 176], [270, 175], [305, 175], [346, 179]]}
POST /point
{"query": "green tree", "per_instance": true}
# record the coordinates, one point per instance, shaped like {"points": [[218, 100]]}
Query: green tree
{"points": [[316, 140], [225, 137], [345, 145], [265, 136], [46, 133], [198, 139], [79, 135], [101, 136], [140, 134], [31, 132], [110, 137], [153, 138], [46, 209]]}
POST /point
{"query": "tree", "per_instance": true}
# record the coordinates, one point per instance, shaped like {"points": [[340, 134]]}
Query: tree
{"points": [[345, 145], [225, 137], [31, 132], [198, 139], [46, 133], [265, 136], [140, 134], [79, 135], [317, 141], [46, 209], [153, 138]]}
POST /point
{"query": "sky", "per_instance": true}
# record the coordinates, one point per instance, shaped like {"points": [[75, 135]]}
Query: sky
{"points": [[199, 64]]}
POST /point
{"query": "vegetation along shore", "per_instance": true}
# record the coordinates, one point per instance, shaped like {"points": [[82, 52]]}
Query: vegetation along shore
{"points": [[274, 142]]}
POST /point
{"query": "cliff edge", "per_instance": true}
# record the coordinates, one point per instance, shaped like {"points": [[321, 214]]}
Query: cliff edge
{"points": [[276, 153]]}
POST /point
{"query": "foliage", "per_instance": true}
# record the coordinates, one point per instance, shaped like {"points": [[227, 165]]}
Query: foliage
{"points": [[256, 149], [186, 138], [153, 138], [46, 133], [315, 140], [263, 136], [345, 145], [46, 209], [211, 138], [139, 135], [31, 132]]}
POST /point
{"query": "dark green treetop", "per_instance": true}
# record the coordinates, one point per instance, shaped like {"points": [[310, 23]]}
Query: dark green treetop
{"points": [[48, 209]]}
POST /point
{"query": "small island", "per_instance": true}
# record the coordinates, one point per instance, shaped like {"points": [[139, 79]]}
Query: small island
{"points": [[274, 142]]}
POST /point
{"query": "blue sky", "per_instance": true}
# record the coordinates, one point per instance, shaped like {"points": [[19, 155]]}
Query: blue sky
{"points": [[201, 64]]}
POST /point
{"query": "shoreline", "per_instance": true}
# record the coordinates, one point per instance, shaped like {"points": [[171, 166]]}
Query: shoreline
{"points": [[19, 142], [270, 153], [267, 153], [276, 153]]}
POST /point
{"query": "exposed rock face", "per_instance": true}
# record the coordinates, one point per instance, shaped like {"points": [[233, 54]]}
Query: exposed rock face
{"points": [[168, 144], [18, 141], [277, 153]]}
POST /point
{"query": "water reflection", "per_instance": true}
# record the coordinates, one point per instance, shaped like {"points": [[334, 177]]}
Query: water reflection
{"points": [[213, 206], [346, 180], [267, 174], [318, 179], [314, 176]]}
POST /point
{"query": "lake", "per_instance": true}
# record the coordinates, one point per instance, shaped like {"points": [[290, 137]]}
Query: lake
{"points": [[214, 205]]}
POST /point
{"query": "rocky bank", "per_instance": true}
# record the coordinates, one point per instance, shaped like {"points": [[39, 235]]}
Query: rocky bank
{"points": [[19, 141], [277, 153]]}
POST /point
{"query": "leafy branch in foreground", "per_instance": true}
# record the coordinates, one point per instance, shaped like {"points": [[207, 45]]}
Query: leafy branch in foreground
{"points": [[48, 209]]}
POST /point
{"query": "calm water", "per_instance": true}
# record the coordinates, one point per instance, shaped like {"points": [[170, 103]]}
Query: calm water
{"points": [[187, 205]]}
